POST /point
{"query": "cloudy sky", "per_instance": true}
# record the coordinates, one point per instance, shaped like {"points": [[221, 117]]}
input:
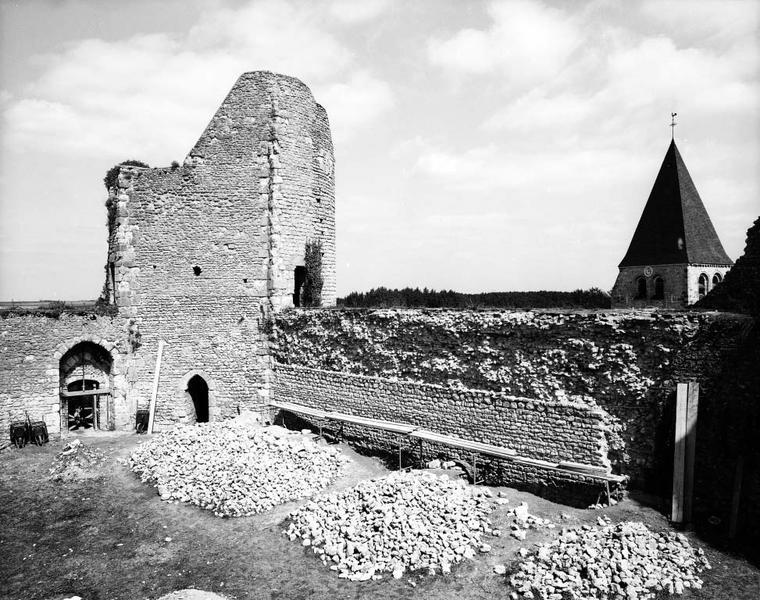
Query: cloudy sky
{"points": [[480, 146]]}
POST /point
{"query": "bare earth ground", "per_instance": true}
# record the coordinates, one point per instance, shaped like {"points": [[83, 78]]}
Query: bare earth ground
{"points": [[111, 536]]}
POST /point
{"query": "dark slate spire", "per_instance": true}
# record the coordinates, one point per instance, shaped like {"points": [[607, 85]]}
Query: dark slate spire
{"points": [[674, 227]]}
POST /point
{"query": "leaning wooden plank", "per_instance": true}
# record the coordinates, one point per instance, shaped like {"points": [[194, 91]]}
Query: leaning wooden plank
{"points": [[448, 440], [679, 453], [152, 413], [582, 468], [376, 423], [299, 408], [692, 407]]}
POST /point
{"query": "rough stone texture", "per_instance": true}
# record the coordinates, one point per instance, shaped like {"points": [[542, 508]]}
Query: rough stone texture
{"points": [[204, 252], [543, 429], [31, 373], [626, 363], [200, 256]]}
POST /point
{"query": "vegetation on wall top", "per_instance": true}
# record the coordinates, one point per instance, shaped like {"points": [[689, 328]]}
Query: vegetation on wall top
{"points": [[113, 173], [311, 294]]}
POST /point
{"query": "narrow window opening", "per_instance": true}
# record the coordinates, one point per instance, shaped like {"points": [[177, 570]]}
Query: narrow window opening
{"points": [[198, 390], [196, 270], [299, 277], [716, 279], [245, 280], [703, 285], [659, 288], [641, 288]]}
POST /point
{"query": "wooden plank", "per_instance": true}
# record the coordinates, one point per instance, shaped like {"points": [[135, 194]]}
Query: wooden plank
{"points": [[736, 497], [299, 409], [679, 453], [692, 407], [377, 423], [67, 394], [152, 413]]}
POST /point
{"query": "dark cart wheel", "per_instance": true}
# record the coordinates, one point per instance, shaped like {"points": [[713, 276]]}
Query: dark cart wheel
{"points": [[19, 442], [39, 439], [140, 427]]}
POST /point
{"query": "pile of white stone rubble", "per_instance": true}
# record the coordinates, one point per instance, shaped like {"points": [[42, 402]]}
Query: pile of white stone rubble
{"points": [[401, 522], [77, 461], [626, 561], [233, 469]]}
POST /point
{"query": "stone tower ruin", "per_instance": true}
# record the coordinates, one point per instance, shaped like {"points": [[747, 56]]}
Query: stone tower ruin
{"points": [[200, 255], [675, 257]]}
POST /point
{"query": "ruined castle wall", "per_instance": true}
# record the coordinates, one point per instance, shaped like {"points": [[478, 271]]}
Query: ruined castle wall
{"points": [[626, 364], [323, 193], [202, 252], [546, 430], [31, 348]]}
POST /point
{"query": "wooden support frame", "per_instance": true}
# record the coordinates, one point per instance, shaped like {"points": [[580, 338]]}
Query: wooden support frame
{"points": [[684, 451]]}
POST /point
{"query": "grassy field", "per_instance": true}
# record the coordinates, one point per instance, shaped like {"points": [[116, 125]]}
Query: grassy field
{"points": [[110, 537]]}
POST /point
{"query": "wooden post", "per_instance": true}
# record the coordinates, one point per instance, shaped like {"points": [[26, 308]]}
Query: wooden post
{"points": [[679, 453], [692, 406], [152, 413], [738, 473]]}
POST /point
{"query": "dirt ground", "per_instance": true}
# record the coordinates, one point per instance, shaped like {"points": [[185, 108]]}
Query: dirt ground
{"points": [[111, 537]]}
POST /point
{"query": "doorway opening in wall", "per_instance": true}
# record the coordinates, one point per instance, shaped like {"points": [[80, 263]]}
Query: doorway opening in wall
{"points": [[198, 390], [85, 384], [299, 277], [82, 409]]}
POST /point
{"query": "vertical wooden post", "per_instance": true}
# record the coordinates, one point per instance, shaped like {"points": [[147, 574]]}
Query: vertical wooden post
{"points": [[679, 453], [692, 406], [152, 413], [737, 494]]}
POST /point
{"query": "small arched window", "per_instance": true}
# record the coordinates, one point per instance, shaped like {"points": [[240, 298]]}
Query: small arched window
{"points": [[704, 283], [641, 288], [717, 279], [659, 288]]}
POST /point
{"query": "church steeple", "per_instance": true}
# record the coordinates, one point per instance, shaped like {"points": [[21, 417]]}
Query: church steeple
{"points": [[675, 257], [674, 227]]}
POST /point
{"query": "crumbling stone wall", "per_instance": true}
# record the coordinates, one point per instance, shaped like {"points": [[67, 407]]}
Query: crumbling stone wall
{"points": [[543, 429], [203, 253], [625, 363], [31, 349]]}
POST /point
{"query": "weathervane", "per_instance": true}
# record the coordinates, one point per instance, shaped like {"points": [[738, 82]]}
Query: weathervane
{"points": [[673, 126]]}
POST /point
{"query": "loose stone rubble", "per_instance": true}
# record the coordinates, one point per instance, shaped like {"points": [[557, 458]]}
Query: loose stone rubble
{"points": [[522, 520], [234, 470], [623, 561], [76, 461], [401, 522]]}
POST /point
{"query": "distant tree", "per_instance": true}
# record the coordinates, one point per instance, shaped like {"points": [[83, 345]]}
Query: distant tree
{"points": [[414, 297]]}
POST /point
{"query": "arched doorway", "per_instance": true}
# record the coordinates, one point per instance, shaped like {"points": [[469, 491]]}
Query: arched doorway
{"points": [[85, 384], [198, 390]]}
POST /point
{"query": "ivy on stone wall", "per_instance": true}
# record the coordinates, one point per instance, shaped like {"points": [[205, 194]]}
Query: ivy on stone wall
{"points": [[311, 294], [110, 181]]}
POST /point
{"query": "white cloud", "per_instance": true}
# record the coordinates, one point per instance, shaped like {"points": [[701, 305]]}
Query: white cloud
{"points": [[152, 95], [357, 11], [526, 43], [706, 20], [355, 102]]}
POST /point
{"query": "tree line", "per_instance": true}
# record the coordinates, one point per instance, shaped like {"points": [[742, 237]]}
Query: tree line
{"points": [[383, 297]]}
